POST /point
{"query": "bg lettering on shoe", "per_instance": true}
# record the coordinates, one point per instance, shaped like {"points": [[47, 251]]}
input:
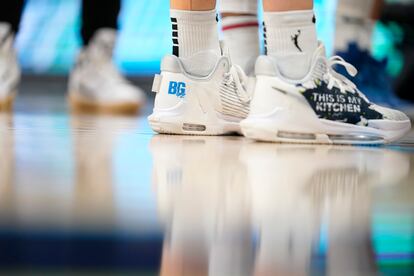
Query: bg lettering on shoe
{"points": [[177, 88]]}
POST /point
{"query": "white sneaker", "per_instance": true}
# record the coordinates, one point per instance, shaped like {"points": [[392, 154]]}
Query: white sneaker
{"points": [[95, 83], [324, 107], [9, 67], [200, 103]]}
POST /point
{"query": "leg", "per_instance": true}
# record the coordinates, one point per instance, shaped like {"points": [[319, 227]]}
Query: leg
{"points": [[290, 35], [296, 69], [355, 23], [11, 12], [95, 84], [240, 29], [97, 15], [291, 5], [377, 9], [195, 33], [199, 91], [193, 5]]}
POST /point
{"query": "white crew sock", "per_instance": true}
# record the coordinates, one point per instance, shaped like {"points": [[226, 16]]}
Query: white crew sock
{"points": [[196, 32], [291, 38], [354, 24], [238, 6], [196, 40], [242, 38]]}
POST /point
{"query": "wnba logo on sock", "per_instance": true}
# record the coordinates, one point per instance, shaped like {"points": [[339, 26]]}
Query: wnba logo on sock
{"points": [[177, 88]]}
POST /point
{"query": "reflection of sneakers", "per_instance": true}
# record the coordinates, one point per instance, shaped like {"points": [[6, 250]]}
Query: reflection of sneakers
{"points": [[7, 171], [95, 139], [204, 204], [330, 191], [325, 107], [96, 85], [212, 103], [372, 77], [9, 68]]}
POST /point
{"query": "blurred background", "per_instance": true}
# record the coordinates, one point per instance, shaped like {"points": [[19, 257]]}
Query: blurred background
{"points": [[49, 39]]}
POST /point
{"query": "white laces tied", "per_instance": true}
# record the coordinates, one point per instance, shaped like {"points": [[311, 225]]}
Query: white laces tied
{"points": [[333, 78], [237, 75]]}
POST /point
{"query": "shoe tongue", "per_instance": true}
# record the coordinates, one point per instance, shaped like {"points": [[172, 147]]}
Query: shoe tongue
{"points": [[102, 43], [200, 64], [319, 63]]}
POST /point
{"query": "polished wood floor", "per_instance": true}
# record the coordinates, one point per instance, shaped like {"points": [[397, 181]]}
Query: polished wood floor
{"points": [[104, 195]]}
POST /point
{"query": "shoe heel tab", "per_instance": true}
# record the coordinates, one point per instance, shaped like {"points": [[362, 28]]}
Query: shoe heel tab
{"points": [[171, 64]]}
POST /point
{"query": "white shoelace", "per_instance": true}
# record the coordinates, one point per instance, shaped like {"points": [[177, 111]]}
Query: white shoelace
{"points": [[237, 75], [334, 79]]}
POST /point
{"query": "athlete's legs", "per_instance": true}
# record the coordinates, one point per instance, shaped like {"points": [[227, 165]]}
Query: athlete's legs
{"points": [[299, 95], [290, 35], [193, 5], [11, 12], [355, 23], [95, 83], [291, 5], [199, 91], [98, 14], [240, 30], [377, 9], [195, 34]]}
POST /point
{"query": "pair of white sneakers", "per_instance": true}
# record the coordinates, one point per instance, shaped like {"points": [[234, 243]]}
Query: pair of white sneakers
{"points": [[324, 107], [95, 84]]}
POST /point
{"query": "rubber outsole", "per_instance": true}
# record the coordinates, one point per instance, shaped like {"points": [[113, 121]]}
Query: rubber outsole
{"points": [[180, 127], [81, 106], [279, 136]]}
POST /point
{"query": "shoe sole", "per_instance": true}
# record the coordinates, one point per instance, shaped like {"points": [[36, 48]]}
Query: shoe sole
{"points": [[325, 132], [179, 127], [78, 105], [192, 121], [7, 103]]}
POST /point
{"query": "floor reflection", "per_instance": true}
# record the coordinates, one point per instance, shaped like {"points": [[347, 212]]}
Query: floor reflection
{"points": [[231, 207], [94, 141], [6, 167]]}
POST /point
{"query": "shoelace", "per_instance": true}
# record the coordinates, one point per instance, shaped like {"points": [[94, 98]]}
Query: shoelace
{"points": [[333, 78], [237, 75]]}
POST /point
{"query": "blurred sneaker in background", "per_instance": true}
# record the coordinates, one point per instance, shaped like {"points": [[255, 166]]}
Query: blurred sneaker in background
{"points": [[9, 68], [96, 85], [355, 23], [372, 77]]}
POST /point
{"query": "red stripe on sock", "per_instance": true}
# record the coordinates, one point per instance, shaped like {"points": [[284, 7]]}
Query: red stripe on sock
{"points": [[241, 25]]}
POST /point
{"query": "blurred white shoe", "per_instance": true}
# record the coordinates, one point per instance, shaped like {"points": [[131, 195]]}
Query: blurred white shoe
{"points": [[9, 67], [96, 85]]}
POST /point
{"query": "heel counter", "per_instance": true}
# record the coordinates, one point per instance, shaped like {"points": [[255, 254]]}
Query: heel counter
{"points": [[171, 89]]}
